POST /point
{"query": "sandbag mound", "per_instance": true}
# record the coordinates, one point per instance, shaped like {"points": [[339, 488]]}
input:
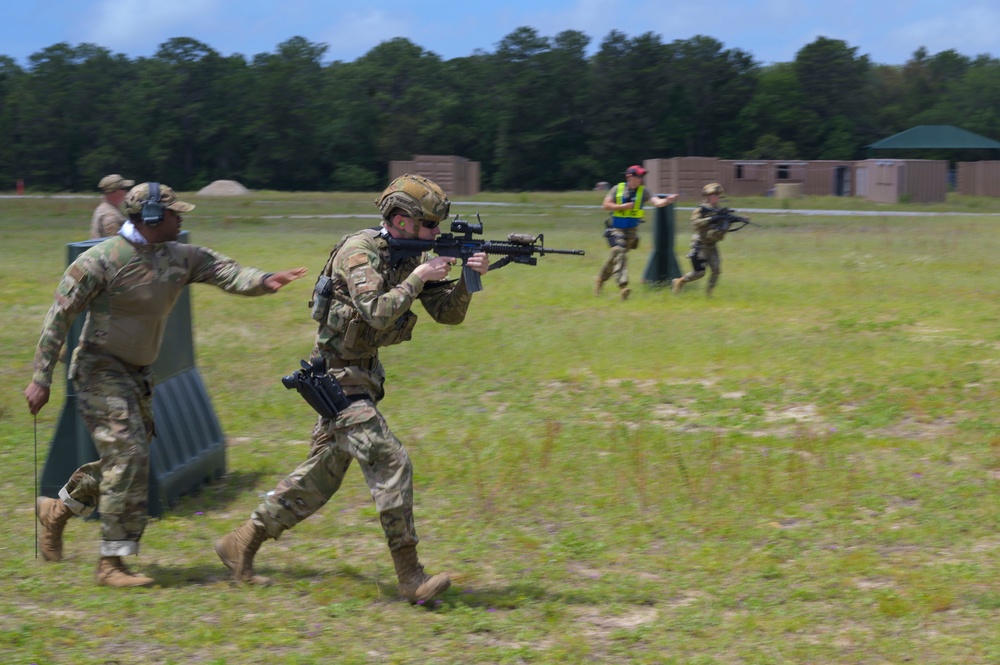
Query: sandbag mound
{"points": [[223, 188]]}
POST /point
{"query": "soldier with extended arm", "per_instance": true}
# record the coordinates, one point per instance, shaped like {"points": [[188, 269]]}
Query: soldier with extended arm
{"points": [[130, 283], [625, 202]]}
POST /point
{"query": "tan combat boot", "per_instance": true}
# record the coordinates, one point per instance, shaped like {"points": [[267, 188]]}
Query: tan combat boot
{"points": [[598, 283], [415, 585], [111, 571], [625, 293], [53, 515], [677, 284], [237, 549]]}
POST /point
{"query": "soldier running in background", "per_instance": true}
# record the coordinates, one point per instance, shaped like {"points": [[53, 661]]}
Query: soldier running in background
{"points": [[625, 202], [704, 243]]}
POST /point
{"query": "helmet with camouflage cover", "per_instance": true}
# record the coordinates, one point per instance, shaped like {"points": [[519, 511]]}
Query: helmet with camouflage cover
{"points": [[712, 188], [417, 196]]}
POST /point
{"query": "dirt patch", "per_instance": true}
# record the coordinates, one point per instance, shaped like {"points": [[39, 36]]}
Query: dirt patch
{"points": [[600, 623], [223, 188]]}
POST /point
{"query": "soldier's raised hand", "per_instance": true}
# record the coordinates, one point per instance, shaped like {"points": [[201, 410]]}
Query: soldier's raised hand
{"points": [[277, 280]]}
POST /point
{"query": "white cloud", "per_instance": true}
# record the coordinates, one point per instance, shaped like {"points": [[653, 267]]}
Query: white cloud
{"points": [[970, 31], [354, 33], [128, 24]]}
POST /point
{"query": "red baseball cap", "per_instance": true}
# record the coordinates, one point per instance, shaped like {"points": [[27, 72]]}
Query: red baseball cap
{"points": [[635, 170]]}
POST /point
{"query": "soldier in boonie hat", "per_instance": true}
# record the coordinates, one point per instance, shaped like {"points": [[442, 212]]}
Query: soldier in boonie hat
{"points": [[114, 182], [108, 217]]}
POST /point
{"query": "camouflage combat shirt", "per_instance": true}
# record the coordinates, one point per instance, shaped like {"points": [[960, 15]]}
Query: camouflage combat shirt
{"points": [[107, 220], [130, 290], [370, 308], [701, 221]]}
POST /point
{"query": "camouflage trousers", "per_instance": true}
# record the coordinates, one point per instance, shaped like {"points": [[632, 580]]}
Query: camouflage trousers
{"points": [[702, 256], [621, 241], [359, 433], [115, 401]]}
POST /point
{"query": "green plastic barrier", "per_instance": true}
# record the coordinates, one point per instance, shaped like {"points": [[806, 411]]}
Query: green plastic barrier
{"points": [[189, 447], [662, 266]]}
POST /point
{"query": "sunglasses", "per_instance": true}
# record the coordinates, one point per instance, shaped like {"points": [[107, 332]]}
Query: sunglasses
{"points": [[426, 223]]}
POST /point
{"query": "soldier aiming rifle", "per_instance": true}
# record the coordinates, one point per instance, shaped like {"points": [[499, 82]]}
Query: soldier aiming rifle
{"points": [[711, 224]]}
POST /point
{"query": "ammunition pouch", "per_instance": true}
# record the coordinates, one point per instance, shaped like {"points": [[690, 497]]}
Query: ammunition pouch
{"points": [[320, 390], [320, 303], [400, 331]]}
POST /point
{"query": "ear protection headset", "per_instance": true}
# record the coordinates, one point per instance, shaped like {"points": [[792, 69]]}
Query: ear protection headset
{"points": [[152, 209]]}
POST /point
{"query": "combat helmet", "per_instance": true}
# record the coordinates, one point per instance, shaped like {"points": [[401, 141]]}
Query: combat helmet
{"points": [[417, 196], [712, 188]]}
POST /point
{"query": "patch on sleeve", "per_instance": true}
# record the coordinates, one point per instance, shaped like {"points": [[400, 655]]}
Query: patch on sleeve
{"points": [[75, 273], [355, 260]]}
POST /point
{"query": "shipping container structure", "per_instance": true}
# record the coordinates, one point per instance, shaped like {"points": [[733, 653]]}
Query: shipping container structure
{"points": [[895, 180], [978, 178], [750, 177], [681, 175], [457, 176]]}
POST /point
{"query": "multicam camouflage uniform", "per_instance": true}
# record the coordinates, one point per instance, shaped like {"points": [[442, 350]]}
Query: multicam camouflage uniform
{"points": [[107, 220], [623, 233], [369, 308], [704, 250], [130, 290]]}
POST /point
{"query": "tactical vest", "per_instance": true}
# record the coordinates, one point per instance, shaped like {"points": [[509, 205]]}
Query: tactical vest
{"points": [[627, 219], [342, 331]]}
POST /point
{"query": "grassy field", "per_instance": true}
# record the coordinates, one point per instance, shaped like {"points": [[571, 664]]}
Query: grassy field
{"points": [[804, 468]]}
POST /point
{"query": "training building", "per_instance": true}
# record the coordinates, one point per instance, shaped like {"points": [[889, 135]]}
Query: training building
{"points": [[879, 178], [457, 176]]}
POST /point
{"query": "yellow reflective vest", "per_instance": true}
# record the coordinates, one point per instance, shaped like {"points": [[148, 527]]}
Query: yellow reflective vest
{"points": [[627, 219]]}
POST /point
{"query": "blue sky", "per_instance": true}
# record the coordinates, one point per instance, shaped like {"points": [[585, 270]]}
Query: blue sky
{"points": [[888, 31]]}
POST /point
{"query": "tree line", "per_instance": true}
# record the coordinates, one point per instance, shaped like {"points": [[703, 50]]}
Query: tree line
{"points": [[537, 112]]}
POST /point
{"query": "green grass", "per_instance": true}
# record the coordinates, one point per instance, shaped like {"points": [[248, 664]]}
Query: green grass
{"points": [[802, 469]]}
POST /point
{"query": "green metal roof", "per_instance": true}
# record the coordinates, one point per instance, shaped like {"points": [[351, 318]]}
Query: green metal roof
{"points": [[935, 136]]}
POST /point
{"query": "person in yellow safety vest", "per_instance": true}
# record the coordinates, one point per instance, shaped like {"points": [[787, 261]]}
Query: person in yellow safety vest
{"points": [[625, 202]]}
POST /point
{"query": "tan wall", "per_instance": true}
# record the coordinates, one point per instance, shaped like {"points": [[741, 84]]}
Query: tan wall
{"points": [[398, 168], [681, 175], [926, 180], [979, 178], [746, 177], [457, 176], [887, 180], [821, 178], [882, 180]]}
